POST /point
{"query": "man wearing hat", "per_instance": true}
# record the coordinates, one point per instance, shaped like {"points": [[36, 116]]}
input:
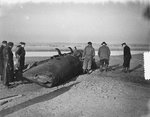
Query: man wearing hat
{"points": [[104, 55], [20, 55], [4, 43], [126, 57], [88, 54], [8, 71]]}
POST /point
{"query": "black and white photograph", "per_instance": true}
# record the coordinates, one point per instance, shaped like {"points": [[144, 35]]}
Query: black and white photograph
{"points": [[74, 58]]}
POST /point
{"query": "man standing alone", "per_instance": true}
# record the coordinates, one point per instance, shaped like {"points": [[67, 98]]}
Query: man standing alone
{"points": [[20, 55], [4, 43], [104, 55], [127, 57], [8, 71], [88, 54]]}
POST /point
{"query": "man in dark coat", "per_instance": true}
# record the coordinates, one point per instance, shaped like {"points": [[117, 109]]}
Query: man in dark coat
{"points": [[20, 55], [127, 57], [4, 43], [8, 71]]}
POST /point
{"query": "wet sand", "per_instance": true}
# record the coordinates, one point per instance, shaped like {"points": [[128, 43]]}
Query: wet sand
{"points": [[106, 94]]}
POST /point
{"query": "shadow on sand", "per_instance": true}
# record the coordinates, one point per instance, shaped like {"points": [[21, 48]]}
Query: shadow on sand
{"points": [[17, 82], [136, 67], [117, 66], [36, 100], [114, 67]]}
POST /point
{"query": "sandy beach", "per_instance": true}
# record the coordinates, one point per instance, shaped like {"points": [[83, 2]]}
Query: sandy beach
{"points": [[46, 26], [107, 94]]}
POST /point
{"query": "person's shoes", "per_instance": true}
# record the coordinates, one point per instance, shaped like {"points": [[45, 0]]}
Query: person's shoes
{"points": [[1, 78], [123, 70], [128, 71], [84, 71], [8, 86], [89, 71], [106, 69], [101, 70]]}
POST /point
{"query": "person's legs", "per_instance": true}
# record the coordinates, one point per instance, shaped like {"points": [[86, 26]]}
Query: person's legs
{"points": [[17, 63], [89, 66], [106, 64], [1, 70], [5, 75], [20, 72], [22, 61], [126, 65], [85, 64], [1, 78], [101, 65]]}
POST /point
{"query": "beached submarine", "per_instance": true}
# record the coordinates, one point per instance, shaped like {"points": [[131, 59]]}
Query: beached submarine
{"points": [[55, 70]]}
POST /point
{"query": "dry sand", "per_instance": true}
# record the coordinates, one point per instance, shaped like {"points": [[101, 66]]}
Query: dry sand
{"points": [[107, 94]]}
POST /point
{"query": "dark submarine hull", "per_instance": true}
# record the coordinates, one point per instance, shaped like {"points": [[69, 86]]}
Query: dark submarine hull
{"points": [[54, 71]]}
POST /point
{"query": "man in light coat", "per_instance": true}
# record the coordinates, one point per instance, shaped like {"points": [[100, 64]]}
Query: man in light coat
{"points": [[104, 56], [88, 55]]}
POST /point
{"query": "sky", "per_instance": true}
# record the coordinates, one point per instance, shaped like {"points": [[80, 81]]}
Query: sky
{"points": [[65, 1], [38, 21]]}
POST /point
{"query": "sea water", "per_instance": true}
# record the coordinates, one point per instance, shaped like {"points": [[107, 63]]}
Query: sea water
{"points": [[51, 53]]}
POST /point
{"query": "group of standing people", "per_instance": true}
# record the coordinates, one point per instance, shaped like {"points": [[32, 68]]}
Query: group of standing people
{"points": [[104, 56], [7, 70]]}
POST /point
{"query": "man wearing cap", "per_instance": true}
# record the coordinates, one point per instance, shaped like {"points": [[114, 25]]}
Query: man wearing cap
{"points": [[104, 56], [8, 71], [17, 63], [4, 43], [88, 54], [127, 57], [20, 55]]}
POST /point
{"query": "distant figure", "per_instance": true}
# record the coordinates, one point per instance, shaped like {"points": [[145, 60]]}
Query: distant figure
{"points": [[104, 56], [20, 56], [88, 54], [8, 71], [127, 57], [4, 43]]}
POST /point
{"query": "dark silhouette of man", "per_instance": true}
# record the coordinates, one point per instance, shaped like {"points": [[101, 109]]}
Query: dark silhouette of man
{"points": [[8, 71], [126, 57], [20, 55], [4, 43]]}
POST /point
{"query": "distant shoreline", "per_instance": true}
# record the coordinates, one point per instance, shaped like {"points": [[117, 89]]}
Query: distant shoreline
{"points": [[53, 50], [52, 53], [64, 47]]}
